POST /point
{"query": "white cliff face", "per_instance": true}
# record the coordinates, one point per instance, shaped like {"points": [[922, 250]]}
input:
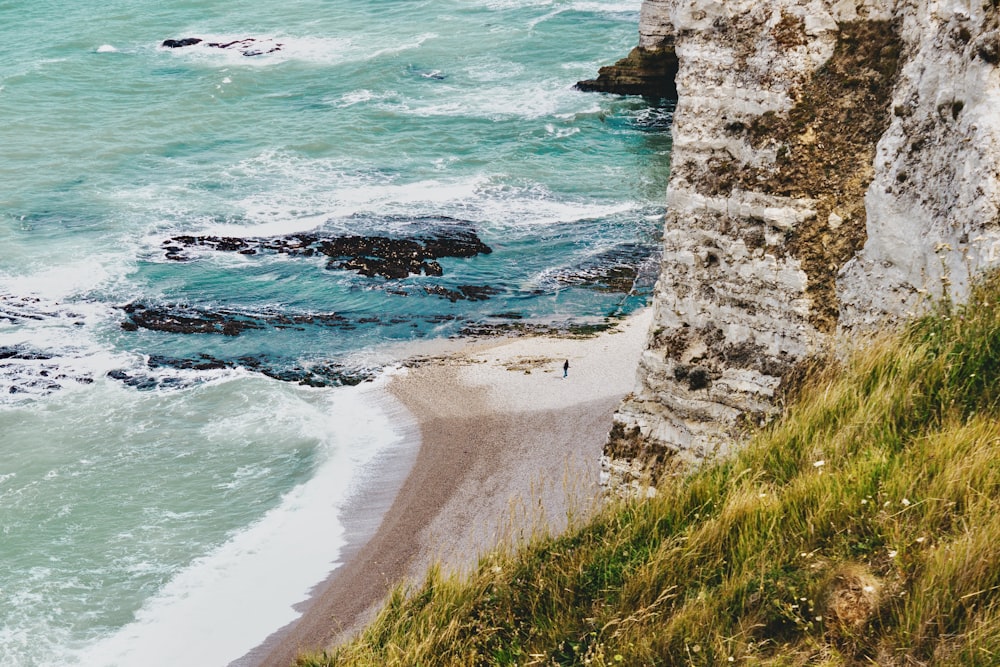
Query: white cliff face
{"points": [[934, 204], [784, 221]]}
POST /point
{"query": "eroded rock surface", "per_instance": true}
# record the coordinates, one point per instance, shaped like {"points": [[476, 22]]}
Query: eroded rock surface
{"points": [[834, 164]]}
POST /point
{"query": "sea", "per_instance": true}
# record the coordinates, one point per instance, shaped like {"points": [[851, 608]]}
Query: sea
{"points": [[191, 363]]}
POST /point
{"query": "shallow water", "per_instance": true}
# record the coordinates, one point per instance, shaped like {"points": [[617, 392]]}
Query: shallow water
{"points": [[147, 475]]}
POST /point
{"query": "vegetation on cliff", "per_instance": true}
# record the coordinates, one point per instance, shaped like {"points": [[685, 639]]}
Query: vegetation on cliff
{"points": [[862, 528]]}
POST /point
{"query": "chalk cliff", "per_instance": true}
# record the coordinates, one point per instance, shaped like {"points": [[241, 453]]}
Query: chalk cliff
{"points": [[835, 164]]}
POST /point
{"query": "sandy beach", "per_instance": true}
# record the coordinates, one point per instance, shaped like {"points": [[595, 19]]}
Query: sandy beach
{"points": [[507, 444]]}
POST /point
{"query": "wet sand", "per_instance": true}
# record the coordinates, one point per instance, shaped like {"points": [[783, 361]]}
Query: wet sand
{"points": [[507, 446]]}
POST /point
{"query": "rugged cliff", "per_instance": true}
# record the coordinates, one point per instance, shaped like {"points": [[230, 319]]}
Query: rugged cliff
{"points": [[835, 165]]}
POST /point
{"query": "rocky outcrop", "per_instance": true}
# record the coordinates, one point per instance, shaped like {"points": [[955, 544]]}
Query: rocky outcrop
{"points": [[835, 163], [391, 258], [650, 69], [646, 72]]}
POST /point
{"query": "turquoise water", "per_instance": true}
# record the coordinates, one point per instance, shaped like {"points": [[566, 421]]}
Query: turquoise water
{"points": [[147, 476]]}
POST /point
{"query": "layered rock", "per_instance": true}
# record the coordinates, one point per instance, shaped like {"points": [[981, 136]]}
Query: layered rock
{"points": [[833, 163], [649, 69], [934, 202]]}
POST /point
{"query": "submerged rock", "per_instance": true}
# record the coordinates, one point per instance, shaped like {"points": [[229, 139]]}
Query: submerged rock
{"points": [[173, 318], [321, 374]]}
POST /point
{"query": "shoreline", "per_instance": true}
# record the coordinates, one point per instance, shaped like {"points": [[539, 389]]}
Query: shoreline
{"points": [[506, 446]]}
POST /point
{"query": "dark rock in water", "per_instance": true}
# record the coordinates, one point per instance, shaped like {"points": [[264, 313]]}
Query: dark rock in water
{"points": [[567, 330], [621, 270], [248, 47], [321, 374], [22, 354], [464, 292], [180, 43], [138, 381], [203, 362], [648, 72], [370, 256], [173, 318]]}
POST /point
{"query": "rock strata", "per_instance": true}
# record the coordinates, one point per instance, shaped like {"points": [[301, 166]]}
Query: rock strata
{"points": [[646, 72], [835, 164]]}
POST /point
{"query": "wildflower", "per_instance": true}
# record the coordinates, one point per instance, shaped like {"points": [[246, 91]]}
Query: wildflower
{"points": [[864, 501], [731, 659], [892, 553], [819, 464], [920, 540], [906, 502]]}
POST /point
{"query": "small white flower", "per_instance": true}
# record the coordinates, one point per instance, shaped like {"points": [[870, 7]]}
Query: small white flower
{"points": [[892, 553], [920, 540], [819, 464], [864, 501], [906, 502]]}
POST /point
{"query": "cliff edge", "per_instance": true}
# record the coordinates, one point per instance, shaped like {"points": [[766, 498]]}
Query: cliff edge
{"points": [[835, 165]]}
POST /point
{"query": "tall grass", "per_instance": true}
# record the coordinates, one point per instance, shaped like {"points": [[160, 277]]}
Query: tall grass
{"points": [[862, 528]]}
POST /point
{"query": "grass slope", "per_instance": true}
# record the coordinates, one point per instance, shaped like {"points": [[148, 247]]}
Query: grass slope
{"points": [[862, 528]]}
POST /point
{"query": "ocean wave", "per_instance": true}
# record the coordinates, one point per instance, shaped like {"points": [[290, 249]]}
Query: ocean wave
{"points": [[528, 100], [300, 195], [589, 6], [224, 602]]}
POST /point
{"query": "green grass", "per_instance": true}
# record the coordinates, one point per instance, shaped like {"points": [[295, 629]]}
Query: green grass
{"points": [[862, 528]]}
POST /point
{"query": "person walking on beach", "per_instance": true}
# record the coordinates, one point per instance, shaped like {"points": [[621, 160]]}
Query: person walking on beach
{"points": [[566, 368]]}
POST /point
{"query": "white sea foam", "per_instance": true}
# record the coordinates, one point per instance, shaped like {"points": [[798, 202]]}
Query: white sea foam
{"points": [[260, 50], [361, 97], [307, 194], [271, 49], [582, 6], [537, 99], [106, 48], [223, 604], [516, 4], [627, 7]]}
